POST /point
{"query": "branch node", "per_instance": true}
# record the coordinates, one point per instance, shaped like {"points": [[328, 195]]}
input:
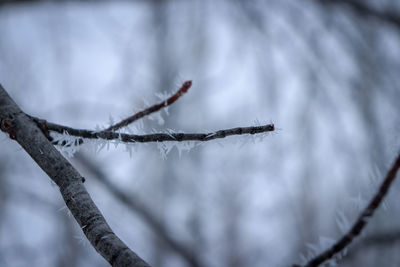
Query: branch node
{"points": [[8, 126]]}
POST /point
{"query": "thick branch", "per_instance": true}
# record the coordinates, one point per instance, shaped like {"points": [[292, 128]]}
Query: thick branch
{"points": [[137, 207], [21, 128], [184, 88], [361, 221]]}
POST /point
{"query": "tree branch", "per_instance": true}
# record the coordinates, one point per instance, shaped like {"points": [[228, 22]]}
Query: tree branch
{"points": [[364, 9], [146, 138], [184, 88], [361, 221], [22, 129]]}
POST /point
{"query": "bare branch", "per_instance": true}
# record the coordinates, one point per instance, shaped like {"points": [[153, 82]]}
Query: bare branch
{"points": [[184, 88], [146, 138], [22, 129], [362, 8], [361, 221], [110, 134], [137, 207]]}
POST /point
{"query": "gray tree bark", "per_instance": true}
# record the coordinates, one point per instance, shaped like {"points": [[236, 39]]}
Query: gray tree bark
{"points": [[27, 133]]}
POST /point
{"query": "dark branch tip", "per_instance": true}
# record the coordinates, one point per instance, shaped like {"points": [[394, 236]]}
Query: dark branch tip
{"points": [[186, 85]]}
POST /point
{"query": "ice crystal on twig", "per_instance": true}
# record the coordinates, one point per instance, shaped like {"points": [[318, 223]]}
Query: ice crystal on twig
{"points": [[342, 222], [68, 144]]}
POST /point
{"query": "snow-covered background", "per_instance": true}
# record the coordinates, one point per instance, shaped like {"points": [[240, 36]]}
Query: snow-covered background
{"points": [[326, 76]]}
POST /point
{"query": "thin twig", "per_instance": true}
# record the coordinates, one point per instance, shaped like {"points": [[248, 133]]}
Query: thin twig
{"points": [[173, 137], [361, 222], [184, 88], [155, 137]]}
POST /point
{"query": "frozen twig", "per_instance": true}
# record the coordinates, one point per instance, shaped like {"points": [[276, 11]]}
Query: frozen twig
{"points": [[110, 134], [155, 137], [184, 88], [361, 222], [34, 141]]}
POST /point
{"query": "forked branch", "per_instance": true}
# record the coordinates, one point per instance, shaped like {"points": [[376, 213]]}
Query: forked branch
{"points": [[22, 129], [184, 88], [110, 134]]}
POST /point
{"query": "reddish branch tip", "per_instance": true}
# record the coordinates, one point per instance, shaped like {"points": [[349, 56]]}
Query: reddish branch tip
{"points": [[186, 85]]}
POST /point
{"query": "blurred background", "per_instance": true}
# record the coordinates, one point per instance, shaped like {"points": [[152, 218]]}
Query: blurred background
{"points": [[325, 72]]}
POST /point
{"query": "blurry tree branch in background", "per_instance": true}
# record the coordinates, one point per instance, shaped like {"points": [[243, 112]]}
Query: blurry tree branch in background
{"points": [[379, 239], [15, 2], [362, 220], [385, 239], [364, 9], [20, 128], [137, 207], [358, 6]]}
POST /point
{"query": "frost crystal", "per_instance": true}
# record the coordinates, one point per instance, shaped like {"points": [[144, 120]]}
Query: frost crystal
{"points": [[358, 202], [157, 116], [169, 132], [68, 144], [128, 129], [81, 240], [375, 176], [62, 208], [303, 259], [315, 249], [165, 148], [166, 109], [210, 135], [384, 205], [185, 146], [65, 210], [129, 148], [100, 145], [110, 120], [257, 122], [162, 95], [342, 222], [326, 242]]}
